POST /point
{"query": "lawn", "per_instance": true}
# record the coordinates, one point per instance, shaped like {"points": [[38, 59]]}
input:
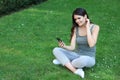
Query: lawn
{"points": [[27, 38]]}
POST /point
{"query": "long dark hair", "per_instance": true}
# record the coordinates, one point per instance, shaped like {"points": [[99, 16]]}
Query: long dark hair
{"points": [[77, 11]]}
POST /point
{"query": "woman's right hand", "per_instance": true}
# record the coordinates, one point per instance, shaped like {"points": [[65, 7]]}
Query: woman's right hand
{"points": [[61, 44]]}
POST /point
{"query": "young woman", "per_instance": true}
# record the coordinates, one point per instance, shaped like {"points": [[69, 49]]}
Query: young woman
{"points": [[81, 51]]}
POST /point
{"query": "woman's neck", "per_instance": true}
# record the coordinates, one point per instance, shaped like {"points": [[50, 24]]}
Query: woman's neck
{"points": [[83, 26]]}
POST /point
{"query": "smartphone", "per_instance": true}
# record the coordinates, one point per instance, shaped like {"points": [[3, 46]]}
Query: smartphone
{"points": [[58, 39]]}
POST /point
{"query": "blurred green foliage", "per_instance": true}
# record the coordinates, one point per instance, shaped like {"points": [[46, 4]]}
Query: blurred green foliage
{"points": [[6, 6]]}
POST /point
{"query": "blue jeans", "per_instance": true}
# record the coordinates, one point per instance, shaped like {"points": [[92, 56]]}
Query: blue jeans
{"points": [[78, 61]]}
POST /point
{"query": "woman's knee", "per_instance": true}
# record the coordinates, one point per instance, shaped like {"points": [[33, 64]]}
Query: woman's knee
{"points": [[78, 63], [91, 63], [55, 50], [83, 61]]}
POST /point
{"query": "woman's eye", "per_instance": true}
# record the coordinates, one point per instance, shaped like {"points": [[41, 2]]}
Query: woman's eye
{"points": [[77, 18]]}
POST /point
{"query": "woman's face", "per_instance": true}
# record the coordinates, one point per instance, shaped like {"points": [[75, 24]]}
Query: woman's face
{"points": [[80, 20]]}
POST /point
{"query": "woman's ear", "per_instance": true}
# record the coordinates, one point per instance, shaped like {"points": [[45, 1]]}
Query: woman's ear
{"points": [[85, 16]]}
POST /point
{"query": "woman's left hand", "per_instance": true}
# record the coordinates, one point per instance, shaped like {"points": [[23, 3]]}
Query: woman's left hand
{"points": [[88, 23]]}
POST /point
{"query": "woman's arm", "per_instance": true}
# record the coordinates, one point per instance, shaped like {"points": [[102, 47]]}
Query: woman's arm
{"points": [[92, 37], [72, 44]]}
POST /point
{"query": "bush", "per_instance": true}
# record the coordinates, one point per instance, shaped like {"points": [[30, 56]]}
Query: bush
{"points": [[7, 6]]}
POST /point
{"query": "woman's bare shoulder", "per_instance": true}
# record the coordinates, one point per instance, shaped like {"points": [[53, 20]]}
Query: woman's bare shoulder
{"points": [[96, 26]]}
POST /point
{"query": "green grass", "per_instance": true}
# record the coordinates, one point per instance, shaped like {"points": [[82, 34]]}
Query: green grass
{"points": [[27, 39]]}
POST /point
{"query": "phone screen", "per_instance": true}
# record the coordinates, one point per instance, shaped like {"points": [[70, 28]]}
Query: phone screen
{"points": [[59, 40]]}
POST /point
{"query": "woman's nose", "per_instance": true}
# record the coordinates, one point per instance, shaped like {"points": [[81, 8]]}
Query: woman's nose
{"points": [[77, 21]]}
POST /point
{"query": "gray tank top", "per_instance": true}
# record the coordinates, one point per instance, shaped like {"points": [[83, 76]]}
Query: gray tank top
{"points": [[82, 45]]}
